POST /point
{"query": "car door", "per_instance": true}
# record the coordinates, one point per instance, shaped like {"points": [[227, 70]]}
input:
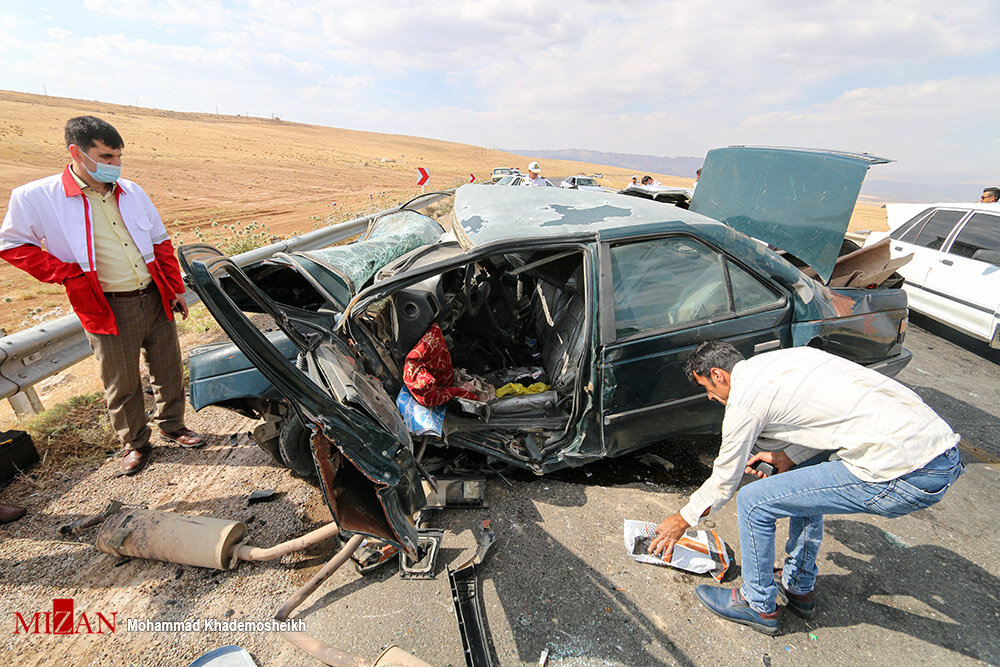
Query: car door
{"points": [[363, 452], [924, 237], [963, 283], [661, 297]]}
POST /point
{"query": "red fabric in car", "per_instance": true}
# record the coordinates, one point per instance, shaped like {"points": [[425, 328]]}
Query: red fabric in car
{"points": [[427, 372]]}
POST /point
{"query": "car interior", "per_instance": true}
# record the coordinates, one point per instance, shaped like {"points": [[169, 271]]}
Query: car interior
{"points": [[510, 318]]}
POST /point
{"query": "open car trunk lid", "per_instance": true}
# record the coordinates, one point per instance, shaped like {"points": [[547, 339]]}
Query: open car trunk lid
{"points": [[799, 200]]}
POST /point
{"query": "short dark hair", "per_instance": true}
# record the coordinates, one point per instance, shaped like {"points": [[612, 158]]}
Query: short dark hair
{"points": [[84, 131], [992, 191], [711, 354], [698, 172]]}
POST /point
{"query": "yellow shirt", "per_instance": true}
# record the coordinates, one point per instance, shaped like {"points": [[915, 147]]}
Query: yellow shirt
{"points": [[120, 267]]}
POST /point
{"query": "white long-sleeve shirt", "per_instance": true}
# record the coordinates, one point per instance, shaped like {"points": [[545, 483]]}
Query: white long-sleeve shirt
{"points": [[803, 401]]}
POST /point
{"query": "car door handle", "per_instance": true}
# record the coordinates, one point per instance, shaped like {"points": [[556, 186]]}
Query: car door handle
{"points": [[947, 262], [897, 247], [765, 346]]}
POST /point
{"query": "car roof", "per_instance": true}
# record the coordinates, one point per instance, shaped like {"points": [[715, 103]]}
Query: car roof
{"points": [[486, 214], [899, 213], [968, 206]]}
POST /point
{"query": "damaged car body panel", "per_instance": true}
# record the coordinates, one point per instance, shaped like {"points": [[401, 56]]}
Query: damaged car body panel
{"points": [[599, 297], [798, 200], [379, 492]]}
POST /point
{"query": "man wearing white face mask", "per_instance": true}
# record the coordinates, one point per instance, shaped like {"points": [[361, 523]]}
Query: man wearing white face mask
{"points": [[100, 236]]}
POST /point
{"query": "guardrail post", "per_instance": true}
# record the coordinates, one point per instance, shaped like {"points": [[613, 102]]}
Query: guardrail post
{"points": [[26, 403]]}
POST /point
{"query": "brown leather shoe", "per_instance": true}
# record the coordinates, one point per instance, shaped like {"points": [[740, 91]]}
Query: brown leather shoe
{"points": [[184, 437], [134, 460], [10, 513]]}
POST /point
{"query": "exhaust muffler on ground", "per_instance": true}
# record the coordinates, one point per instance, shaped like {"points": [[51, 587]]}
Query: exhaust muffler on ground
{"points": [[220, 544]]}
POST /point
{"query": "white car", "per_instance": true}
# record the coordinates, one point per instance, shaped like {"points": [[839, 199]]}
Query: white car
{"points": [[499, 173], [954, 276], [580, 183]]}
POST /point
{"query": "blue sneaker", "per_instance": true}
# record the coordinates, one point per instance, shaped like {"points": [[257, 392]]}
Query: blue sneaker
{"points": [[730, 605]]}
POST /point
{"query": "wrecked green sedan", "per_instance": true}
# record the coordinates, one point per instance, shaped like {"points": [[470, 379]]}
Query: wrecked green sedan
{"points": [[588, 303]]}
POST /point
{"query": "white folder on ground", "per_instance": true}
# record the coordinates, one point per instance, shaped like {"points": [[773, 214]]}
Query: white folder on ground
{"points": [[697, 551]]}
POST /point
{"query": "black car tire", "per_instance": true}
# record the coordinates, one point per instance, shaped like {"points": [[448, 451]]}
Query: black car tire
{"points": [[296, 451]]}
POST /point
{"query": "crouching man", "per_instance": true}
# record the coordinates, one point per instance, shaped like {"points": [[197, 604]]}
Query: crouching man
{"points": [[845, 440]]}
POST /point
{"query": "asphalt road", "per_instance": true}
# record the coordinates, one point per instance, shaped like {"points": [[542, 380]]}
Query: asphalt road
{"points": [[921, 589], [959, 377]]}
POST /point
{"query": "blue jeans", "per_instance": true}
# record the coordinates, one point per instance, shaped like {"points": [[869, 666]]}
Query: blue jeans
{"points": [[807, 492]]}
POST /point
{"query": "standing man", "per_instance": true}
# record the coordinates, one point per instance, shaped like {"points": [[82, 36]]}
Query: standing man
{"points": [[100, 236], [800, 407], [535, 176]]}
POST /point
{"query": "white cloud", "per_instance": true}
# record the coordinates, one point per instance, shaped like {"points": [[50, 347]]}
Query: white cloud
{"points": [[671, 77]]}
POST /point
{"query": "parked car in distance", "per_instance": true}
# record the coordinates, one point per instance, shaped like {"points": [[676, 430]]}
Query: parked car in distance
{"points": [[499, 173], [677, 196], [518, 179], [598, 296], [580, 183], [954, 276], [511, 179]]}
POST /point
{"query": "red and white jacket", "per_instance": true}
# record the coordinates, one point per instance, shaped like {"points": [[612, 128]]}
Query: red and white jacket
{"points": [[53, 212]]}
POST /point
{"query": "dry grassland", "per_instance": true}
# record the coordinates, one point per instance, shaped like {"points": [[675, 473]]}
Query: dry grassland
{"points": [[200, 168]]}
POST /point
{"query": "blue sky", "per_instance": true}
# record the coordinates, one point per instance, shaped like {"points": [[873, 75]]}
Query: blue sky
{"points": [[913, 80]]}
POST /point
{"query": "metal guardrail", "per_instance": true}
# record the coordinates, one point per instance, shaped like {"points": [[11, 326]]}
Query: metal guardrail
{"points": [[28, 357]]}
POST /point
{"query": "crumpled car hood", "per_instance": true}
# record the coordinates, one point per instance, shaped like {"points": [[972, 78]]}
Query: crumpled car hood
{"points": [[799, 200]]}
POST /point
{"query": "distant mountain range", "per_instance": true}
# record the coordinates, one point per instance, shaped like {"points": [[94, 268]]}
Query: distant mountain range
{"points": [[904, 187]]}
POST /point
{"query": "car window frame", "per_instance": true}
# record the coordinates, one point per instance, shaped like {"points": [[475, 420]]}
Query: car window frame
{"points": [[960, 227], [607, 325], [949, 237], [920, 218]]}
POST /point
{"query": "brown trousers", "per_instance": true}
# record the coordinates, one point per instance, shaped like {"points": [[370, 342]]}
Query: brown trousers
{"points": [[142, 325]]}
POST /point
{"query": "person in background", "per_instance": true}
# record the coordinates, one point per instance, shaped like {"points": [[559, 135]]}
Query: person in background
{"points": [[535, 176], [633, 182], [990, 196], [99, 236], [650, 181], [798, 407]]}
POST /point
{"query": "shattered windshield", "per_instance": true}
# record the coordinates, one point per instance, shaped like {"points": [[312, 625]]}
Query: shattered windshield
{"points": [[390, 237]]}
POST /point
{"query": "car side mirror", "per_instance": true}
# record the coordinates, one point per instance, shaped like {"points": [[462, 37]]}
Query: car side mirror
{"points": [[990, 256]]}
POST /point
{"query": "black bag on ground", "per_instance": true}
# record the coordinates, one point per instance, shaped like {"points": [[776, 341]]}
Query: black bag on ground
{"points": [[17, 454]]}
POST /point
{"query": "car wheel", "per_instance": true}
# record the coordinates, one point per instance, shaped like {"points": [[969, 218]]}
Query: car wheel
{"points": [[296, 451]]}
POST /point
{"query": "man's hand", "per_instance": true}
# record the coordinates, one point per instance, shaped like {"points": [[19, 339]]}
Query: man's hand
{"points": [[667, 534], [778, 459], [179, 305]]}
